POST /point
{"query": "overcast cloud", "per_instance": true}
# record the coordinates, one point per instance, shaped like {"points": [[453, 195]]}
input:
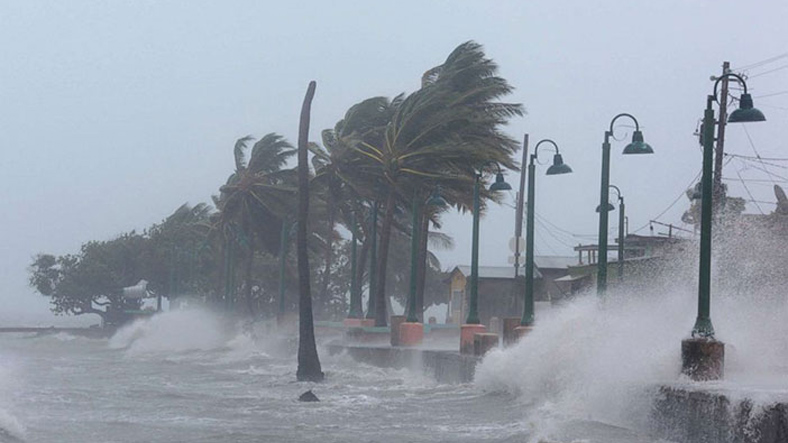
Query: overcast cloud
{"points": [[112, 114]]}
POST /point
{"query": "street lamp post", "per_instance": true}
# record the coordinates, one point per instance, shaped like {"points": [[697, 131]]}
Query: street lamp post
{"points": [[621, 223], [558, 167], [637, 146], [411, 332], [472, 323], [703, 356]]}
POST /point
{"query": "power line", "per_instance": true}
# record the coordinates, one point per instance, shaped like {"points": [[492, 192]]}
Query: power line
{"points": [[754, 180], [761, 63], [749, 157], [748, 192], [681, 194], [757, 154], [771, 95], [769, 71]]}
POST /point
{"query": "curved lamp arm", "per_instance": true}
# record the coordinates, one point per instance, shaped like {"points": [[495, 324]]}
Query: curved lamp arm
{"points": [[618, 192], [534, 156], [729, 74], [623, 114]]}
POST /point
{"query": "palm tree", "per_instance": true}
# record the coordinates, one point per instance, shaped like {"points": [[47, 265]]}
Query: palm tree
{"points": [[444, 132], [338, 178], [255, 199], [308, 361]]}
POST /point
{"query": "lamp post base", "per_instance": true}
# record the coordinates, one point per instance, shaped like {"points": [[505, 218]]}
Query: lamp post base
{"points": [[522, 331], [702, 358], [352, 322], [411, 334], [484, 342], [466, 336], [395, 321], [510, 336]]}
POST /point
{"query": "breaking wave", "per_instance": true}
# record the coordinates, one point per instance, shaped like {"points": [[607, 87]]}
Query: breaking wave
{"points": [[172, 332], [603, 359]]}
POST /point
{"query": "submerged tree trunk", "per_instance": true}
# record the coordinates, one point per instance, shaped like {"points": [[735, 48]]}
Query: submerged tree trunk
{"points": [[308, 361], [381, 316]]}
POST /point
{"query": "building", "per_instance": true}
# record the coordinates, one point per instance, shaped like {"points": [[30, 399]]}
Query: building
{"points": [[501, 293]]}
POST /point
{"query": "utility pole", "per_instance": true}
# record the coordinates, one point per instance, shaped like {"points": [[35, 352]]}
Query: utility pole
{"points": [[719, 150], [518, 212]]}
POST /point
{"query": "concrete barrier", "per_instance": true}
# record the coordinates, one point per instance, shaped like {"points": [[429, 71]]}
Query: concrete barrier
{"points": [[688, 415], [484, 342], [444, 366]]}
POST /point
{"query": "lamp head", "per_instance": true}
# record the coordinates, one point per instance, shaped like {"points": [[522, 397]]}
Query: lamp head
{"points": [[610, 207], [638, 146], [746, 112], [558, 166], [500, 184]]}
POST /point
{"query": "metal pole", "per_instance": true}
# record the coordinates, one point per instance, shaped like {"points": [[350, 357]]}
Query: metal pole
{"points": [[283, 247], [601, 279], [720, 149], [703, 326], [518, 214], [473, 308], [414, 253], [373, 262], [528, 302], [621, 239]]}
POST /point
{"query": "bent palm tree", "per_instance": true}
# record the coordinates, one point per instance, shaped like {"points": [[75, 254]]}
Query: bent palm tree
{"points": [[444, 132], [253, 202]]}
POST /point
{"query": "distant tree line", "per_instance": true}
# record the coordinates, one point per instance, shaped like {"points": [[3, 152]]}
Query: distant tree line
{"points": [[381, 156]]}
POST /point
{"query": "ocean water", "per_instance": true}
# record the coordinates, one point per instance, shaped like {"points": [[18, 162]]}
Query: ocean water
{"points": [[587, 373], [188, 377]]}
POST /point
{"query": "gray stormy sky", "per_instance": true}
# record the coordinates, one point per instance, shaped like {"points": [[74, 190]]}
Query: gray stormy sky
{"points": [[112, 114]]}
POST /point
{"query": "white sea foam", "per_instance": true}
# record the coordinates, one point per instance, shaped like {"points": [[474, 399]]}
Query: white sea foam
{"points": [[171, 332]]}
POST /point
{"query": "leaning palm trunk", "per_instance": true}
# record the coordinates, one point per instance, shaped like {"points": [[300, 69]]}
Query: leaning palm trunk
{"points": [[381, 316], [308, 361]]}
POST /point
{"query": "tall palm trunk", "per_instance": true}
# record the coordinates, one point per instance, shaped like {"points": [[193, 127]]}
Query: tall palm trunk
{"points": [[308, 361], [421, 270], [381, 317]]}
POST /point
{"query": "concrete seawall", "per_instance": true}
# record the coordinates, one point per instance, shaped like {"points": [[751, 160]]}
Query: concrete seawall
{"points": [[445, 366], [695, 415], [680, 413]]}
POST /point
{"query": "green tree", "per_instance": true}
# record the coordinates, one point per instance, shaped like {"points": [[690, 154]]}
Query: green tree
{"points": [[254, 202], [443, 133], [91, 281]]}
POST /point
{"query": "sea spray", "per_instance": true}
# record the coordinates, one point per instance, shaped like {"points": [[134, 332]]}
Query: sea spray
{"points": [[173, 332], [603, 359]]}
